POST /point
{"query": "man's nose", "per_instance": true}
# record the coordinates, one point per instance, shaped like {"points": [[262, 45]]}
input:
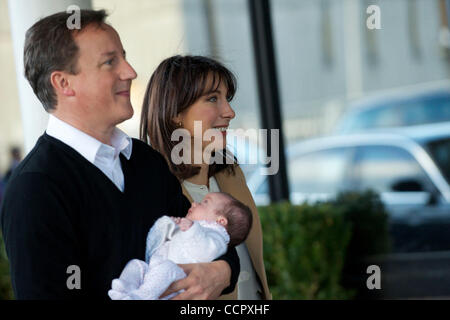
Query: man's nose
{"points": [[127, 72]]}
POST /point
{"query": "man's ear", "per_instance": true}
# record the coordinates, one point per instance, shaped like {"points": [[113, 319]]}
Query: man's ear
{"points": [[61, 83], [222, 221]]}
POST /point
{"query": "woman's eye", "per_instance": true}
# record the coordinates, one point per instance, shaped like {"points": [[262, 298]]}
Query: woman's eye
{"points": [[212, 99]]}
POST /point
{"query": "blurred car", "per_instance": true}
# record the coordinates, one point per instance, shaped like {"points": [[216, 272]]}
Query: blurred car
{"points": [[408, 167], [404, 108]]}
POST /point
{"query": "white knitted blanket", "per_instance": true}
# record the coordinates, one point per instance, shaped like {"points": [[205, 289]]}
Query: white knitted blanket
{"points": [[166, 247]]}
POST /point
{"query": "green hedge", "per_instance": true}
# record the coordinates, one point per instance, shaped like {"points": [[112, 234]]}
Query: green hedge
{"points": [[370, 232], [308, 248]]}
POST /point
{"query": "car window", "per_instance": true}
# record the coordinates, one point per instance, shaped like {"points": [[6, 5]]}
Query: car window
{"points": [[385, 115], [320, 172], [440, 152], [263, 188], [425, 110], [421, 110], [389, 169]]}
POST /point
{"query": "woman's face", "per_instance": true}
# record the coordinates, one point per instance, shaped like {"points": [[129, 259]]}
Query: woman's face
{"points": [[214, 112]]}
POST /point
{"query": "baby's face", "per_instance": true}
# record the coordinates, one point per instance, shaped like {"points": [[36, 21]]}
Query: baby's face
{"points": [[207, 209]]}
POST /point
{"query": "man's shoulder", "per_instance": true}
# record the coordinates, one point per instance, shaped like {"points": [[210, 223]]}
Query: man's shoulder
{"points": [[37, 159], [141, 146], [46, 156], [143, 151], [51, 160]]}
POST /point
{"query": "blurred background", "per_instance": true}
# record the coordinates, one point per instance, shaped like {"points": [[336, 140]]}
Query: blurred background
{"points": [[358, 108]]}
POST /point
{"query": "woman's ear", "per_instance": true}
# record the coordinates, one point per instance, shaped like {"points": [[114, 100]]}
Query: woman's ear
{"points": [[178, 121], [61, 84]]}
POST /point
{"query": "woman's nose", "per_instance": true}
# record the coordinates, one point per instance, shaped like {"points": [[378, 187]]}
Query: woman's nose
{"points": [[228, 112]]}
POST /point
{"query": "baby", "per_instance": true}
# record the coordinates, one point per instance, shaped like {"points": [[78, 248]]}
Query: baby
{"points": [[203, 235]]}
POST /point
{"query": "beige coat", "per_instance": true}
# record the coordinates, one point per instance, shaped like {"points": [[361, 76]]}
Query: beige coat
{"points": [[236, 186]]}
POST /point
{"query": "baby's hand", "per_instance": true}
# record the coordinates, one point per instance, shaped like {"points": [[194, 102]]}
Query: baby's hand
{"points": [[185, 224], [176, 219]]}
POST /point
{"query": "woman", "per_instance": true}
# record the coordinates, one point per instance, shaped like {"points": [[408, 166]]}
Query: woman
{"points": [[183, 93]]}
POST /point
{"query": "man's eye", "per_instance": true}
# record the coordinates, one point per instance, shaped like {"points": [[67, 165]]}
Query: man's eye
{"points": [[109, 62]]}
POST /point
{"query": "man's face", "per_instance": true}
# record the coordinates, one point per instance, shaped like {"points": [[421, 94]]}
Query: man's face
{"points": [[102, 84], [207, 209]]}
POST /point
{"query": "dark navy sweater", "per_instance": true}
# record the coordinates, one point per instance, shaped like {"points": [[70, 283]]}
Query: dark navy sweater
{"points": [[60, 210]]}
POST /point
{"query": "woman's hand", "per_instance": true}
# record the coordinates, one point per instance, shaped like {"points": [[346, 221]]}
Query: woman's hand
{"points": [[204, 281]]}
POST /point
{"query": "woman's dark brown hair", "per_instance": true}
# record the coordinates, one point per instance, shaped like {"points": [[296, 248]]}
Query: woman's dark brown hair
{"points": [[174, 86]]}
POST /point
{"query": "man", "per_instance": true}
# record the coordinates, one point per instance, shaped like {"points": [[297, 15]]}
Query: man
{"points": [[79, 206]]}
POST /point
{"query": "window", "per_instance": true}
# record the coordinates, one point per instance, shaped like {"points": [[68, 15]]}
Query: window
{"points": [[263, 188], [430, 108], [440, 151], [385, 116], [384, 168], [320, 172]]}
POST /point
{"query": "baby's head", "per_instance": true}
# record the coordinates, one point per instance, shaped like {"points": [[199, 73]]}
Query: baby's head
{"points": [[222, 208]]}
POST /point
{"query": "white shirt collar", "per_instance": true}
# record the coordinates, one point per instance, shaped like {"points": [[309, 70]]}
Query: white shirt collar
{"points": [[86, 145]]}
